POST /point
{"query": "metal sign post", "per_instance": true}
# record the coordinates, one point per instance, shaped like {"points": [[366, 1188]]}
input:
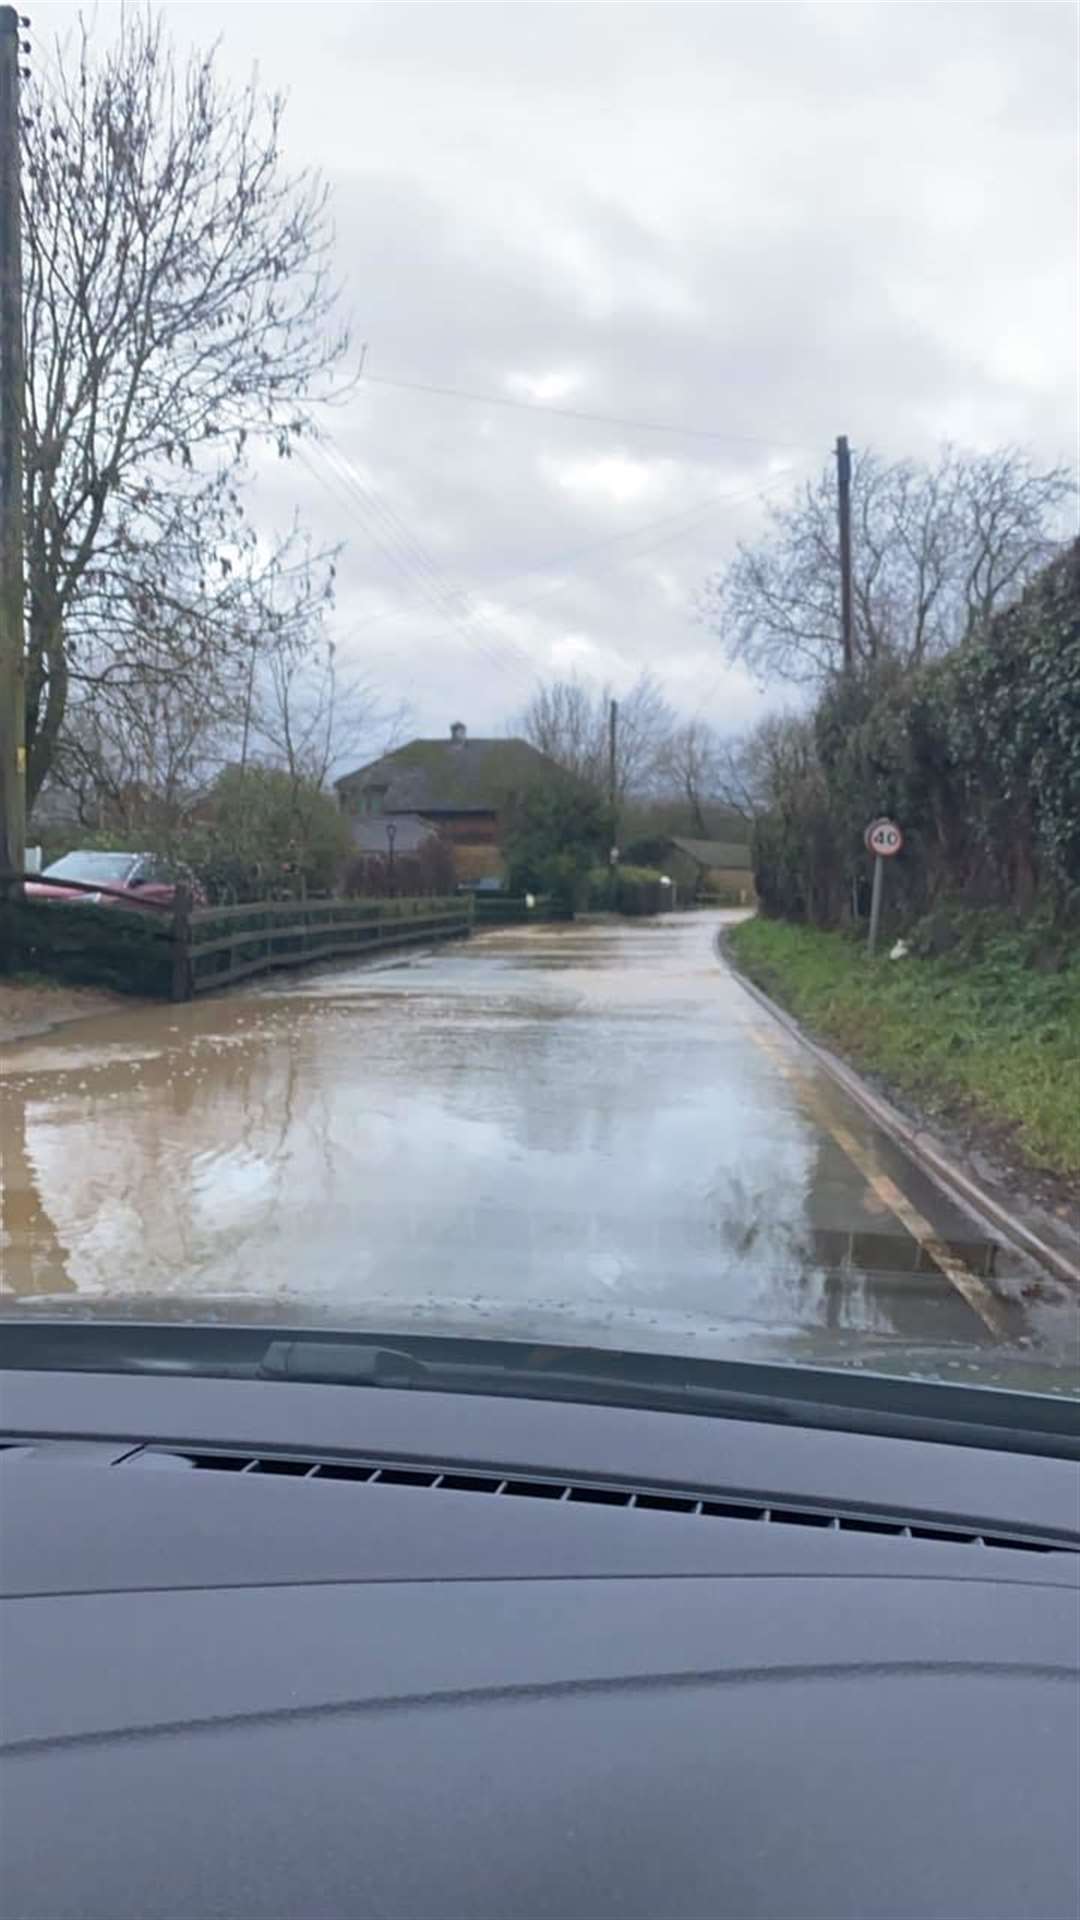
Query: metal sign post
{"points": [[884, 840]]}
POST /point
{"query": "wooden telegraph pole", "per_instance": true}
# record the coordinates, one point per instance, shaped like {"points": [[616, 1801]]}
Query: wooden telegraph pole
{"points": [[843, 499], [12, 375], [613, 784]]}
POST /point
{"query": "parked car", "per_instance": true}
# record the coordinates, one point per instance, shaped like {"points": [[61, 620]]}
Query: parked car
{"points": [[135, 879]]}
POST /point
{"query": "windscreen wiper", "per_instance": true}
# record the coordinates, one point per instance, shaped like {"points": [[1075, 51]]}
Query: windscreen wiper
{"points": [[344, 1363], [366, 1364], [740, 1390], [850, 1401]]}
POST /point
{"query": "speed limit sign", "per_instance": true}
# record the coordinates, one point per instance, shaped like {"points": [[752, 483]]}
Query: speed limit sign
{"points": [[883, 838]]}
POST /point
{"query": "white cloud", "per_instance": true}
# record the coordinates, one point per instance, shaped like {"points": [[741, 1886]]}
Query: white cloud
{"points": [[544, 387], [611, 477]]}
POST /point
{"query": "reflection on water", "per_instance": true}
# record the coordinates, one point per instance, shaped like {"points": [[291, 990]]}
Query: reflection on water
{"points": [[568, 1122]]}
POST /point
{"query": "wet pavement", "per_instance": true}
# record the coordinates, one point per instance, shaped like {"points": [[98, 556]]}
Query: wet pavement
{"points": [[584, 1132]]}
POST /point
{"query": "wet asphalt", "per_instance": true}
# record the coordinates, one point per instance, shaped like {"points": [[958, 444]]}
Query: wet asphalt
{"points": [[585, 1133]]}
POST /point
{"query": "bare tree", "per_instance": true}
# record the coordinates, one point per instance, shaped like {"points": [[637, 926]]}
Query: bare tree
{"points": [[569, 721], [178, 309], [935, 550], [564, 719], [700, 770], [776, 755], [689, 764], [303, 716], [145, 757], [644, 723]]}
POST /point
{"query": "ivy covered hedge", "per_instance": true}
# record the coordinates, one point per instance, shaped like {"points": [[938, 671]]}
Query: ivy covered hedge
{"points": [[976, 754], [132, 952]]}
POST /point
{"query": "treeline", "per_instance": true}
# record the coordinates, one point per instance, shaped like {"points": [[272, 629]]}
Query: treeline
{"points": [[665, 774], [976, 753]]}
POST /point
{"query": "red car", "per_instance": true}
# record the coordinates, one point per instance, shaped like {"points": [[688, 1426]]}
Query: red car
{"points": [[125, 879]]}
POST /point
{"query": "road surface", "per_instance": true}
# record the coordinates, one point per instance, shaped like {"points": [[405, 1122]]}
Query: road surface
{"points": [[586, 1132]]}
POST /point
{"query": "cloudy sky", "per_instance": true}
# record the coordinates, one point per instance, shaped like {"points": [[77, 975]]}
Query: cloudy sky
{"points": [[724, 232]]}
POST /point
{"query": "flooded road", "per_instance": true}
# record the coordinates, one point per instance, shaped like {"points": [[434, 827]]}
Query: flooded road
{"points": [[586, 1132]]}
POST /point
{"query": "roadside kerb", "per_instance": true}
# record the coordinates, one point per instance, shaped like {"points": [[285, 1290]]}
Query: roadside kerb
{"points": [[913, 1140]]}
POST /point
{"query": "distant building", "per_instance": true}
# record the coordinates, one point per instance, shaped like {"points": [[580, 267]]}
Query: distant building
{"points": [[466, 790], [408, 832], [723, 867]]}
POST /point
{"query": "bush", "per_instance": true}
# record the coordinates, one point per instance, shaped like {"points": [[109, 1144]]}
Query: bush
{"points": [[638, 890], [260, 834], [128, 950], [559, 830], [601, 892]]}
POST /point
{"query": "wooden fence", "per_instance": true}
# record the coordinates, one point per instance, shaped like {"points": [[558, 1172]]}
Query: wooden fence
{"points": [[513, 909], [729, 896], [215, 945], [176, 952]]}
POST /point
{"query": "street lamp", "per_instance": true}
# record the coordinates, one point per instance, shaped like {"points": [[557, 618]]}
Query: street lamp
{"points": [[391, 836]]}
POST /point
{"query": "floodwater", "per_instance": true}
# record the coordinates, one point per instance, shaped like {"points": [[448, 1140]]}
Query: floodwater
{"points": [[587, 1132]]}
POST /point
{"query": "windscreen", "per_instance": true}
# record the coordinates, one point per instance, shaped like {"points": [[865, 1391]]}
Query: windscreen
{"points": [[558, 524], [111, 869]]}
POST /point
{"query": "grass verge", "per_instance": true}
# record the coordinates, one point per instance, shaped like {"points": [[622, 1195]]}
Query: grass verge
{"points": [[981, 1030]]}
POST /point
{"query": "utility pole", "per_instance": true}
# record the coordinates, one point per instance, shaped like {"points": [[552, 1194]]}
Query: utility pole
{"points": [[12, 652], [843, 494], [613, 788], [248, 698], [875, 904]]}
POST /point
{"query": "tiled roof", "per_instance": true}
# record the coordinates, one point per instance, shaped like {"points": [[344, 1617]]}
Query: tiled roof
{"points": [[448, 776], [716, 853]]}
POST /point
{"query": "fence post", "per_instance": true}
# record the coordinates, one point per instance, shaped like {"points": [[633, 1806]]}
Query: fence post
{"points": [[181, 933]]}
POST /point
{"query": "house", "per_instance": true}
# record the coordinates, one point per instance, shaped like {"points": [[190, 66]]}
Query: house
{"points": [[404, 832], [724, 867], [466, 790]]}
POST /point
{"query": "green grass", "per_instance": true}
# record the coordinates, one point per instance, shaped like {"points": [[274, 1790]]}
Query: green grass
{"points": [[979, 1030]]}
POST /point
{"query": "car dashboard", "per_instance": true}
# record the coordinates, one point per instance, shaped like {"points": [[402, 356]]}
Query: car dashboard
{"points": [[292, 1649]]}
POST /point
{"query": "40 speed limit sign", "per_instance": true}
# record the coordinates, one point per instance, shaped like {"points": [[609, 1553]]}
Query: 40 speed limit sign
{"points": [[883, 838]]}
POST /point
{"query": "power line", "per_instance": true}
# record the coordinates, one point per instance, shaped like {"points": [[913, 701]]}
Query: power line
{"points": [[675, 532], [407, 554], [549, 563], [402, 561], [391, 552], [578, 413], [453, 597], [678, 524]]}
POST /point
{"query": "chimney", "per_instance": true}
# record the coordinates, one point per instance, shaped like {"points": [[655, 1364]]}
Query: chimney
{"points": [[457, 734]]}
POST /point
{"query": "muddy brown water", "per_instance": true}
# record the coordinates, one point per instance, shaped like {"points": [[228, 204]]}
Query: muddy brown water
{"points": [[586, 1132]]}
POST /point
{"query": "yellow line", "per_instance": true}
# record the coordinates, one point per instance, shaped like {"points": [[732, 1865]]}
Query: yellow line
{"points": [[974, 1290]]}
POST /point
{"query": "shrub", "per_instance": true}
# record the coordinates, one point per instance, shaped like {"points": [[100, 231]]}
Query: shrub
{"points": [[559, 830], [638, 890]]}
